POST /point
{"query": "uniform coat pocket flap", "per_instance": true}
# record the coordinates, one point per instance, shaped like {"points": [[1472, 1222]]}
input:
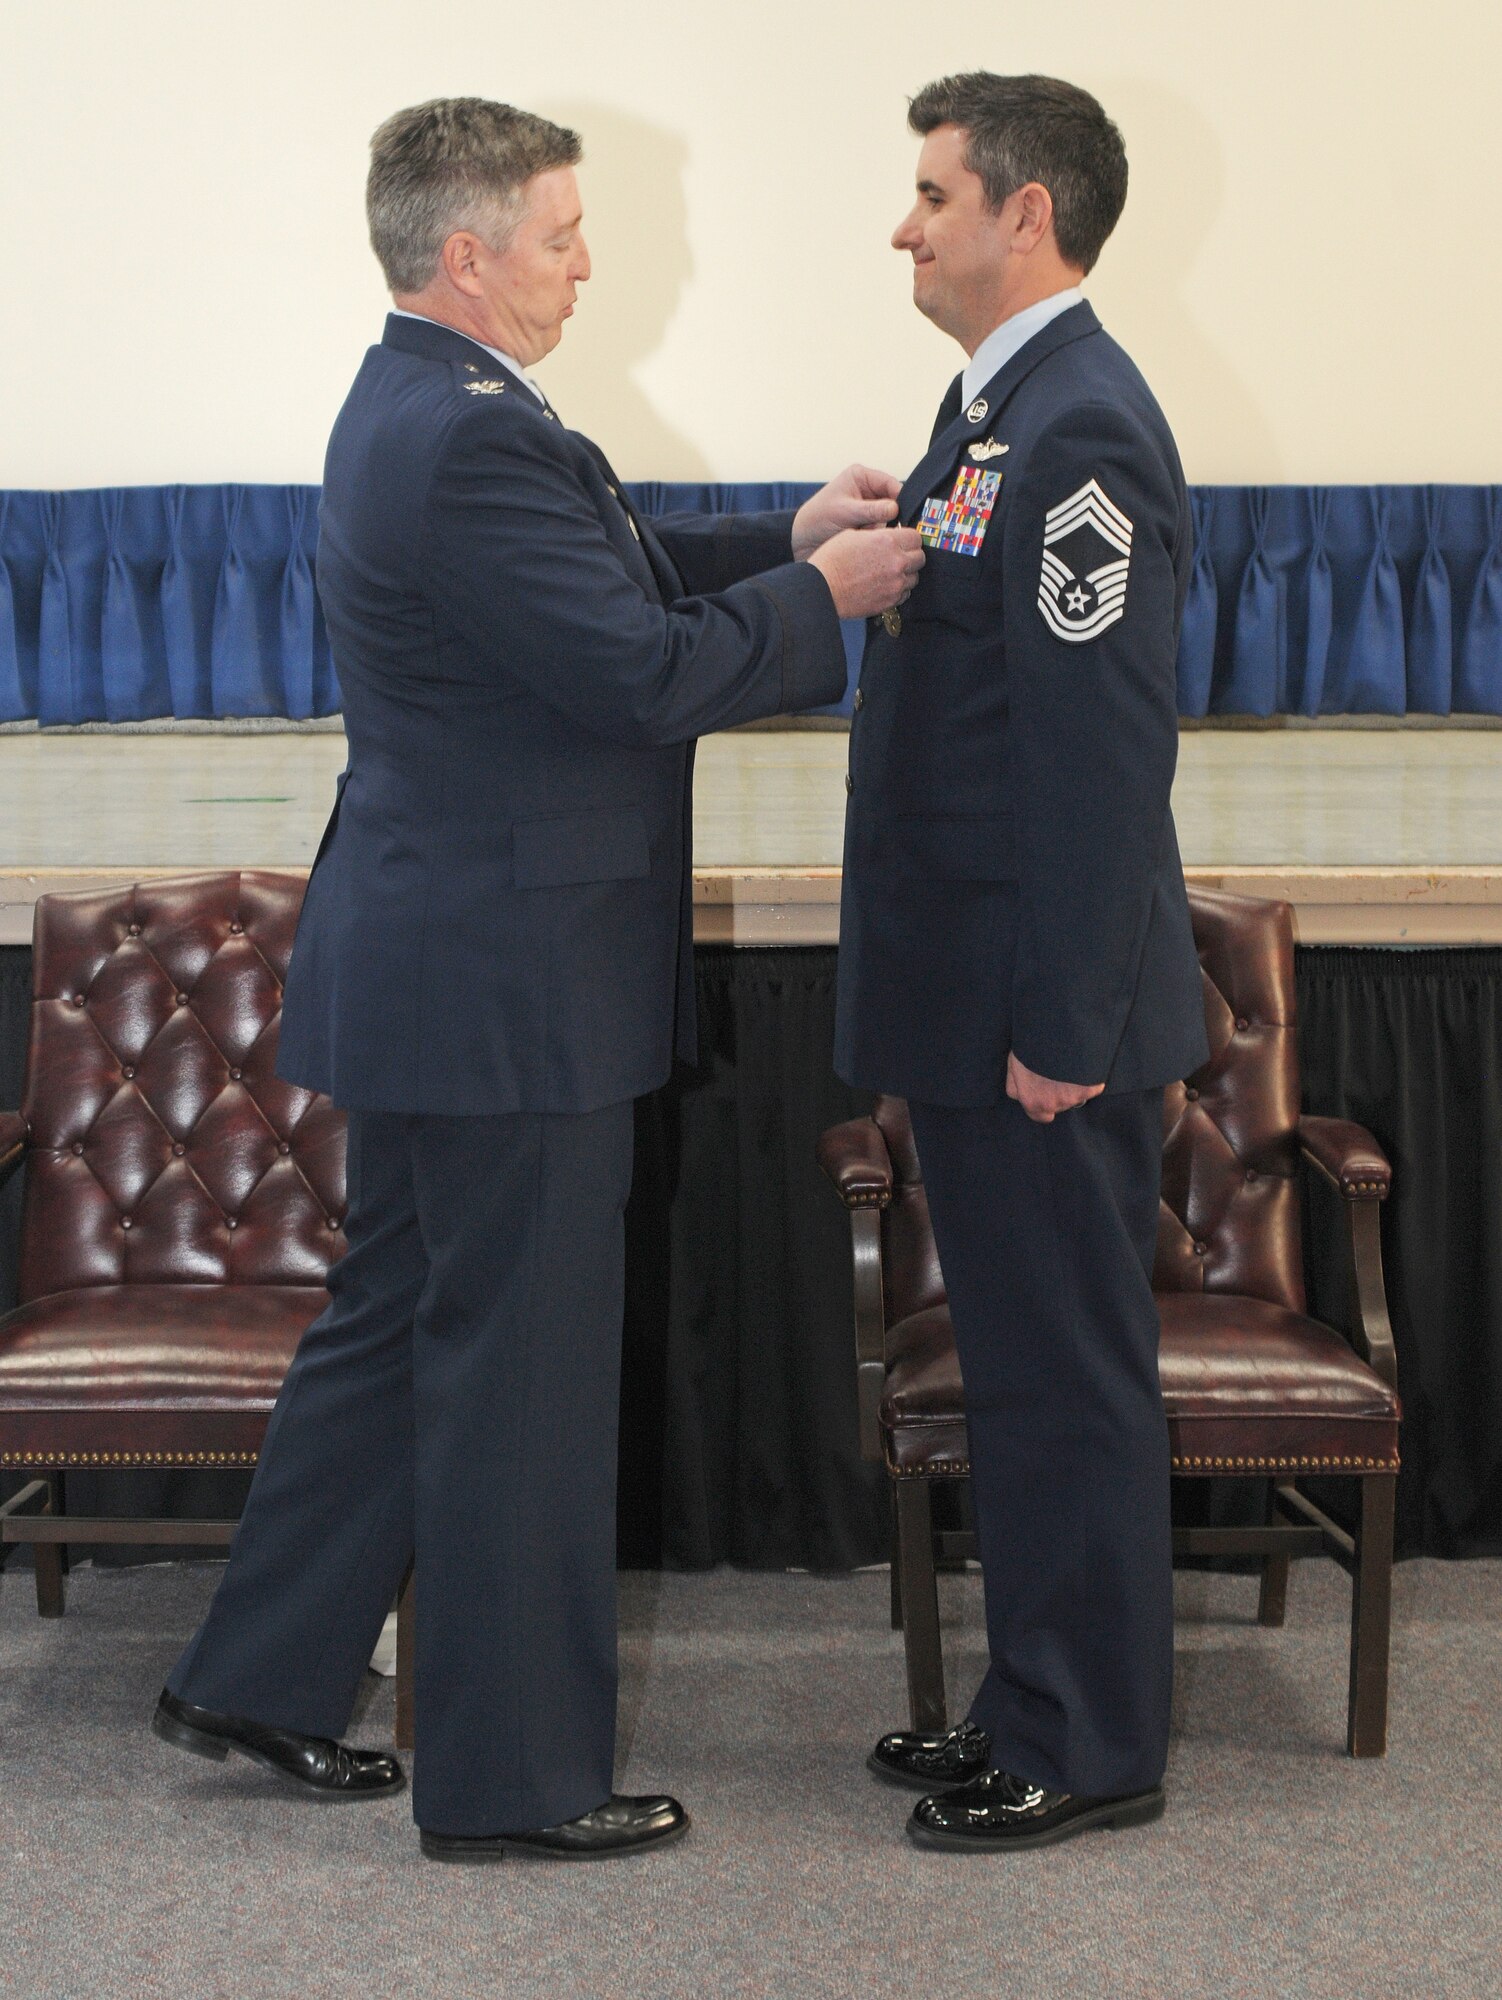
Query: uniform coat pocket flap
{"points": [[580, 847]]}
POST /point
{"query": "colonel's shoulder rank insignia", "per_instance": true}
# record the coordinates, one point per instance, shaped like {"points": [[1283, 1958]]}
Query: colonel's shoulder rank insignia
{"points": [[489, 387], [1087, 554]]}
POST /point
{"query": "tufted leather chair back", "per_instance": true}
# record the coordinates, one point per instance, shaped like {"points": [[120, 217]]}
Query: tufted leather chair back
{"points": [[1228, 1219], [1229, 1216], [164, 1149]]}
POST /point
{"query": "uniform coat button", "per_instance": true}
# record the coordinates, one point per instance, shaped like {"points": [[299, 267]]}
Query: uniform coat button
{"points": [[849, 783], [893, 622], [860, 701]]}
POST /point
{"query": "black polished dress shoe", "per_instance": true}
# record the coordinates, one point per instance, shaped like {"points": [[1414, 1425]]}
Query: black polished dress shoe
{"points": [[620, 1826], [315, 1764], [997, 1811], [932, 1763]]}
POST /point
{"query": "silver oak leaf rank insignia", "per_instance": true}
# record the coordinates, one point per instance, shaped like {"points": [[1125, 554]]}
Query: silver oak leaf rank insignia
{"points": [[1087, 553]]}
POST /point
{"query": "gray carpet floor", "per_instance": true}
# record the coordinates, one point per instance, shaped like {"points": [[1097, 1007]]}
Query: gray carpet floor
{"points": [[1282, 1869]]}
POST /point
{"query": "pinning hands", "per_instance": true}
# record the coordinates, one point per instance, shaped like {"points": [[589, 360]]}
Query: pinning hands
{"points": [[859, 497]]}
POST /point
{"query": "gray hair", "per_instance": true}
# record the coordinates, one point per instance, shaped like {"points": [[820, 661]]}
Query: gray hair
{"points": [[453, 163], [1036, 128]]}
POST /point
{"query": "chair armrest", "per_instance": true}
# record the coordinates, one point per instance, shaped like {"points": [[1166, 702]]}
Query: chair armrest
{"points": [[1351, 1161], [14, 1135], [855, 1158], [1348, 1157]]}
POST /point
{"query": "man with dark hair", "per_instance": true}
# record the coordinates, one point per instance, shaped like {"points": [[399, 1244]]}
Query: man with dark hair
{"points": [[1015, 950], [494, 959]]}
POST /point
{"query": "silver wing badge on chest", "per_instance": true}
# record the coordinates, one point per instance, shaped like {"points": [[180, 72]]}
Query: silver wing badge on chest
{"points": [[987, 448]]}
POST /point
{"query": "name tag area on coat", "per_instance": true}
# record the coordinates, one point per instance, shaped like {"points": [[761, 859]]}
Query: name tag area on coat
{"points": [[958, 525]]}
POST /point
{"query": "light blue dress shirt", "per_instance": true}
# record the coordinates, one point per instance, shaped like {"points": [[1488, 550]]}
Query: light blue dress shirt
{"points": [[997, 349]]}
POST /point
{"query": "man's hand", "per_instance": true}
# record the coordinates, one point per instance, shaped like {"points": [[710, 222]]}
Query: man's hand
{"points": [[868, 573], [859, 498], [1043, 1099]]}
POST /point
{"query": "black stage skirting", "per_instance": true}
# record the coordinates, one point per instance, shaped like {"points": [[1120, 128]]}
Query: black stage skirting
{"points": [[738, 1421]]}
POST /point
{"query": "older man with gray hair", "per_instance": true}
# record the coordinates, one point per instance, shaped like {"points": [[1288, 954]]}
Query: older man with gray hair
{"points": [[494, 960]]}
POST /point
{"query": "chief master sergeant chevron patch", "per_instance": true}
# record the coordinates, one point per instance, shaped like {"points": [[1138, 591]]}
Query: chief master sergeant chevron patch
{"points": [[1079, 594]]}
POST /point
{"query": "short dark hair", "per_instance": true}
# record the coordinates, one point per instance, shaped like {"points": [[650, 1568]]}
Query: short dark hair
{"points": [[1036, 128], [453, 163]]}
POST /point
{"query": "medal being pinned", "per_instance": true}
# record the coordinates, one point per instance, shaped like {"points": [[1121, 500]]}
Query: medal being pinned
{"points": [[1079, 595]]}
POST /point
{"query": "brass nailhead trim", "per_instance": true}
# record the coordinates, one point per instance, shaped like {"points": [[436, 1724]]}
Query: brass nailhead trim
{"points": [[1287, 1464], [867, 1200], [949, 1469], [128, 1458]]}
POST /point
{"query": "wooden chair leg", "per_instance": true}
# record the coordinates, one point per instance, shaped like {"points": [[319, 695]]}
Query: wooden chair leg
{"points": [[406, 1631], [920, 1605], [1371, 1619], [1272, 1600], [896, 1566], [49, 1559]]}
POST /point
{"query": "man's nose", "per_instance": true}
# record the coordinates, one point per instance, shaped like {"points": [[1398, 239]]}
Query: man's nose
{"points": [[581, 262], [906, 235]]}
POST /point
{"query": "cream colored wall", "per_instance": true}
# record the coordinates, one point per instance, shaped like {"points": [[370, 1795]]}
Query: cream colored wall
{"points": [[1308, 268]]}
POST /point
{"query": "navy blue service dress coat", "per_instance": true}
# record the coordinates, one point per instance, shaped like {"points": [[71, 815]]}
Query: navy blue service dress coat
{"points": [[500, 916], [1012, 875], [1012, 884], [493, 960]]}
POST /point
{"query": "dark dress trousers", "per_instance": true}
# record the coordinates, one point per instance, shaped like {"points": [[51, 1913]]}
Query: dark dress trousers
{"points": [[1012, 883], [494, 958]]}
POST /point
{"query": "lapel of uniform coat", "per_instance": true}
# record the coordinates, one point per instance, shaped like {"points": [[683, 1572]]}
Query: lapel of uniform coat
{"points": [[947, 444], [664, 573]]}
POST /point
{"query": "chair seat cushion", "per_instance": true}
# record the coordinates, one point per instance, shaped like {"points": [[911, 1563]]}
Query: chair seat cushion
{"points": [[147, 1374], [1249, 1388]]}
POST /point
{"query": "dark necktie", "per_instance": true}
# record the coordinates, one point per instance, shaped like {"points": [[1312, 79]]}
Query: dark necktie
{"points": [[949, 409]]}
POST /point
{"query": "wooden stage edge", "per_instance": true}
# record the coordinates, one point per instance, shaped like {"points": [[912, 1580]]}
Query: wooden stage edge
{"points": [[800, 906]]}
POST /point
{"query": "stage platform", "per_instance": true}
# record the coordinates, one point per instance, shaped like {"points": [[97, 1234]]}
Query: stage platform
{"points": [[1377, 836]]}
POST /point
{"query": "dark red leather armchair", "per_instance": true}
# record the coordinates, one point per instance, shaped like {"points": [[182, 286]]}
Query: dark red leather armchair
{"points": [[182, 1204], [1253, 1386]]}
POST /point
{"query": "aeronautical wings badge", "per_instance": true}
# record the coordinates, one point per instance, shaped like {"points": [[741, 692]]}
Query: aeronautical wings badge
{"points": [[1079, 595]]}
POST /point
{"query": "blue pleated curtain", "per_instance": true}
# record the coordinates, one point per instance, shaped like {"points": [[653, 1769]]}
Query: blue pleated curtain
{"points": [[131, 603]]}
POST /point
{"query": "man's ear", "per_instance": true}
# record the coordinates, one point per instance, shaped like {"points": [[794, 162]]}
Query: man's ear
{"points": [[1033, 216], [460, 260]]}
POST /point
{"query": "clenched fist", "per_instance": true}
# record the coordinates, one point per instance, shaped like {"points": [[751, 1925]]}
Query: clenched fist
{"points": [[869, 569]]}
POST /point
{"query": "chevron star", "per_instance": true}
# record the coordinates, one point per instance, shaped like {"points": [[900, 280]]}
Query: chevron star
{"points": [[1077, 599]]}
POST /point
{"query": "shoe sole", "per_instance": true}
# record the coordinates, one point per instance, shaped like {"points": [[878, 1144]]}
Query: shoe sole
{"points": [[928, 1786], [477, 1853], [200, 1743], [1137, 1811]]}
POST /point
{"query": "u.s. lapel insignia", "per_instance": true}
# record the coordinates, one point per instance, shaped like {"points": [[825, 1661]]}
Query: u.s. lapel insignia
{"points": [[489, 387], [1079, 595], [976, 414], [985, 448]]}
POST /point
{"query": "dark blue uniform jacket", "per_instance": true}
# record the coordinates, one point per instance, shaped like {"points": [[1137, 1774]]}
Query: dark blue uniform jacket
{"points": [[499, 918], [1012, 875]]}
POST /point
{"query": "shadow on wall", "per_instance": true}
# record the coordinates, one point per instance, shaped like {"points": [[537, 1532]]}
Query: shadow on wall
{"points": [[1175, 195], [636, 225]]}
